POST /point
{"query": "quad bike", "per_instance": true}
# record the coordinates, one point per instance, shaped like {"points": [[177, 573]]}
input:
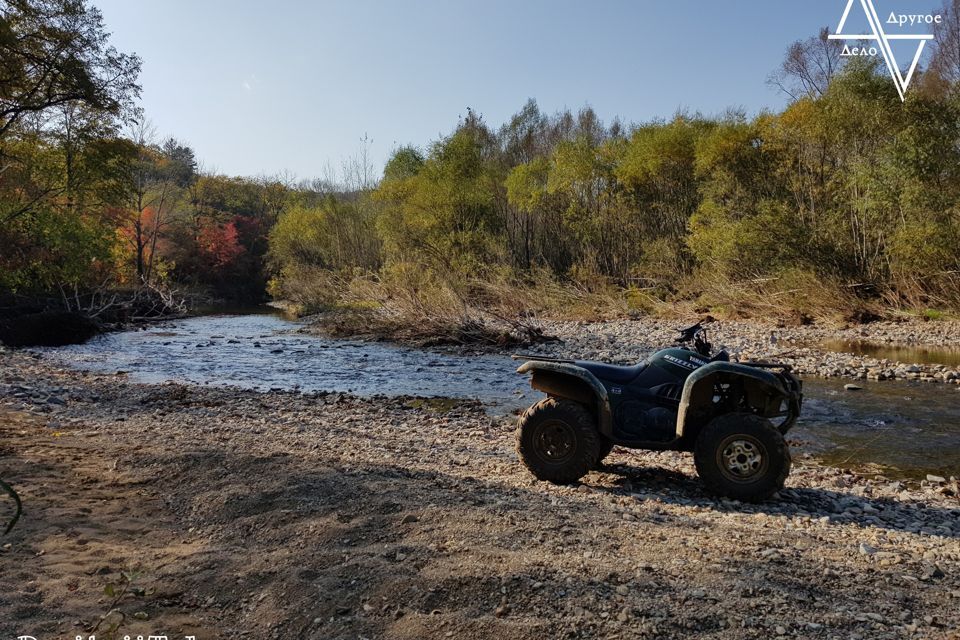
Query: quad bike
{"points": [[732, 416]]}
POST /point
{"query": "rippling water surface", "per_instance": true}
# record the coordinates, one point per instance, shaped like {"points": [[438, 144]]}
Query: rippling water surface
{"points": [[267, 351], [912, 426]]}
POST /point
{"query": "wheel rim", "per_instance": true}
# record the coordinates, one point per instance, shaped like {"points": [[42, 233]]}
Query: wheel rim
{"points": [[742, 458], [555, 442]]}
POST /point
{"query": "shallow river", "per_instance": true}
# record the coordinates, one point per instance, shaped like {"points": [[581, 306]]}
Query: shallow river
{"points": [[911, 427]]}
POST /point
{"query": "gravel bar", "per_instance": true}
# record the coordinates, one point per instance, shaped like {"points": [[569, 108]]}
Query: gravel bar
{"points": [[236, 513]]}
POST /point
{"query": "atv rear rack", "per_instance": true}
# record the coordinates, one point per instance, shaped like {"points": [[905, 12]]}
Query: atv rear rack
{"points": [[523, 356]]}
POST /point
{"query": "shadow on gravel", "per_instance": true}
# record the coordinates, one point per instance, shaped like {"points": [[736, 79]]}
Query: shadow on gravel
{"points": [[840, 508], [323, 544], [275, 543], [330, 549]]}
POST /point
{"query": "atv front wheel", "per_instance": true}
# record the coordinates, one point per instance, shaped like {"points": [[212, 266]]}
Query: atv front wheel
{"points": [[557, 440], [742, 456]]}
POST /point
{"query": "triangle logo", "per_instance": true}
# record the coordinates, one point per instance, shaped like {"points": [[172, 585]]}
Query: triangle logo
{"points": [[883, 44]]}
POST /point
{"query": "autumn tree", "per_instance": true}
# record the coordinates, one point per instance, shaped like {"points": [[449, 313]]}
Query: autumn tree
{"points": [[63, 166], [55, 53], [160, 175]]}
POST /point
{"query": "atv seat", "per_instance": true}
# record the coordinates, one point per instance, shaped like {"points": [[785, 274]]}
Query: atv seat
{"points": [[613, 373]]}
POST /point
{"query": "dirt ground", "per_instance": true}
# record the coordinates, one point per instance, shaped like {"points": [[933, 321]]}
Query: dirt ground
{"points": [[225, 513]]}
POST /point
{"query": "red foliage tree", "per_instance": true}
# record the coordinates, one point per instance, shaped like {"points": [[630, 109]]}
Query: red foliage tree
{"points": [[220, 244]]}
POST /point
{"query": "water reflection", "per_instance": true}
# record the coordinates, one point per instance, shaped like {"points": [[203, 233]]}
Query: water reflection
{"points": [[908, 354]]}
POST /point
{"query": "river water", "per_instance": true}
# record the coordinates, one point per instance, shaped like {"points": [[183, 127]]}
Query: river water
{"points": [[910, 428]]}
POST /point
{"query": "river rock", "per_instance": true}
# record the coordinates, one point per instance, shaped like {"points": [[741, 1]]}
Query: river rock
{"points": [[866, 549]]}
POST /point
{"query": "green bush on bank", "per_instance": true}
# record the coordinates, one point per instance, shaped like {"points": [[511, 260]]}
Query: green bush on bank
{"points": [[842, 205]]}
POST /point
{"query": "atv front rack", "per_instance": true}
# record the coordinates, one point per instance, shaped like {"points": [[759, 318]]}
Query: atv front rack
{"points": [[768, 365]]}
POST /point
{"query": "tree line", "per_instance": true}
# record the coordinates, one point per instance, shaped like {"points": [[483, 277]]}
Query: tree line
{"points": [[844, 199]]}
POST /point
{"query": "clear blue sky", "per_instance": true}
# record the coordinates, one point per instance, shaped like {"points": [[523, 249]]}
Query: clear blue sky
{"points": [[261, 87]]}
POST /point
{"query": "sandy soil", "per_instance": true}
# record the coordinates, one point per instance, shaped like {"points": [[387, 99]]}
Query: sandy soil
{"points": [[289, 516]]}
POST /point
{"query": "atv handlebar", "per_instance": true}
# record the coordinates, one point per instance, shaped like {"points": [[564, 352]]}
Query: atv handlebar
{"points": [[698, 334], [688, 334]]}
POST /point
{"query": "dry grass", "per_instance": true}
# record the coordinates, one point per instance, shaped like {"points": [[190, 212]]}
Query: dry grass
{"points": [[411, 304], [794, 296]]}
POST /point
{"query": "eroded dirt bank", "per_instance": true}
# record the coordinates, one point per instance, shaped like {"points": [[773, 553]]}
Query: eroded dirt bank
{"points": [[290, 516]]}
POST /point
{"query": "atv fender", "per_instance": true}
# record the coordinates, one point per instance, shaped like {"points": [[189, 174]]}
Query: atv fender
{"points": [[764, 390], [566, 380]]}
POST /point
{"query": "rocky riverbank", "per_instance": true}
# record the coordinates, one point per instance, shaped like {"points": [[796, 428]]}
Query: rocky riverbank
{"points": [[282, 515], [803, 347]]}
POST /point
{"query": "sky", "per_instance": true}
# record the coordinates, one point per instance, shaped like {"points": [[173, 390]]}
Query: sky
{"points": [[259, 88]]}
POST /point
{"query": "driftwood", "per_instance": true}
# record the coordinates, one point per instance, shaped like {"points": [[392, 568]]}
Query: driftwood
{"points": [[147, 302], [76, 316], [150, 302]]}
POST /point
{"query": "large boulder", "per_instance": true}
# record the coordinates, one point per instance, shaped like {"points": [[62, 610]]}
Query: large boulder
{"points": [[47, 329]]}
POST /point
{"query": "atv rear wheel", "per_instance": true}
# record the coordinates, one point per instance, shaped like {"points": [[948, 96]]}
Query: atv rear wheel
{"points": [[557, 440], [742, 456]]}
